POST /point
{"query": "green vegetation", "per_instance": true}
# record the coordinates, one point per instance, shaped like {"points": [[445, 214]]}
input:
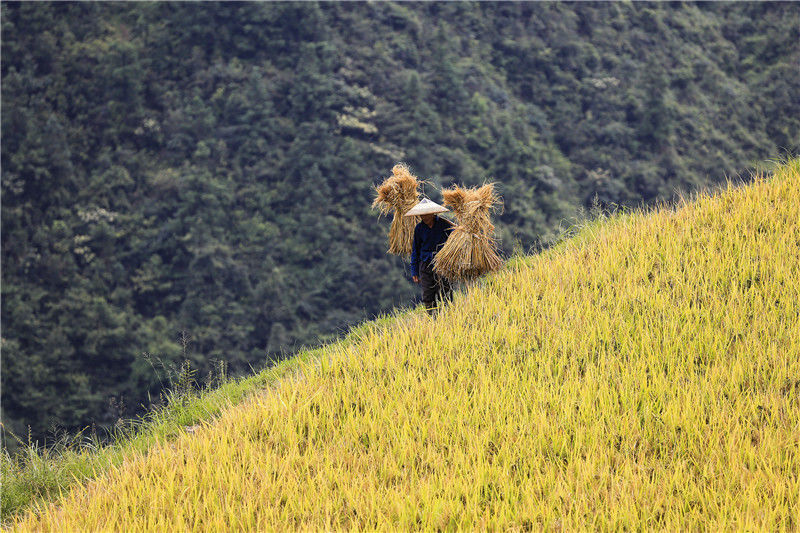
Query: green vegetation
{"points": [[208, 168], [642, 375]]}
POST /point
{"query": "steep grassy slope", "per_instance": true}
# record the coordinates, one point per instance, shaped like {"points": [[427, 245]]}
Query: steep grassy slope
{"points": [[642, 374]]}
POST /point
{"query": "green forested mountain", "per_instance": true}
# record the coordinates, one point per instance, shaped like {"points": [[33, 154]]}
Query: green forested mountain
{"points": [[208, 168]]}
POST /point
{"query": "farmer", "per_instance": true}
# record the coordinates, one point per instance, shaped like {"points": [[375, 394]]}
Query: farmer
{"points": [[429, 236]]}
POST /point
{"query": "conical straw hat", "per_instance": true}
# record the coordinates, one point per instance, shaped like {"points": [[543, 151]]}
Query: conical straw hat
{"points": [[425, 207]]}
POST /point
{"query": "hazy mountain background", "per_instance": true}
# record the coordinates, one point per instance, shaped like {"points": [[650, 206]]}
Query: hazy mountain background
{"points": [[205, 170]]}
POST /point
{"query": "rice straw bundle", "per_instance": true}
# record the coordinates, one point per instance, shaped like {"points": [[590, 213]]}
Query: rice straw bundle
{"points": [[398, 194], [471, 249]]}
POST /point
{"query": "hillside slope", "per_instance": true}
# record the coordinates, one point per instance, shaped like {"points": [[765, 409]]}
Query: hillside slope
{"points": [[642, 374]]}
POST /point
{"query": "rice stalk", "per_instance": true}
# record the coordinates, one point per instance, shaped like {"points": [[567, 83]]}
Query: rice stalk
{"points": [[397, 194], [471, 249]]}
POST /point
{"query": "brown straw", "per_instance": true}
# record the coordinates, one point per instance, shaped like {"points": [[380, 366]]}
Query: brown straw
{"points": [[471, 248], [397, 194]]}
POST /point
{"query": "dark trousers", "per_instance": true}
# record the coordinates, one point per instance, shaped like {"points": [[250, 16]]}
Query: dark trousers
{"points": [[435, 289]]}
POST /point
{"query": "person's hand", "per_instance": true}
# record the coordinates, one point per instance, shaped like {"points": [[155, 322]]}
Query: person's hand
{"points": [[415, 279]]}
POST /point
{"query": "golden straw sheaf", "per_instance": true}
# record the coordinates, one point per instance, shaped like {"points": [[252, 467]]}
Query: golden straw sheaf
{"points": [[397, 194], [471, 249]]}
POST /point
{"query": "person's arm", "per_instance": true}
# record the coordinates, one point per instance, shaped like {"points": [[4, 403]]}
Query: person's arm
{"points": [[415, 257]]}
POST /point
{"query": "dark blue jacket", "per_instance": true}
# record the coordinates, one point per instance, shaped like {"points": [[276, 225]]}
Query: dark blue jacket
{"points": [[427, 241]]}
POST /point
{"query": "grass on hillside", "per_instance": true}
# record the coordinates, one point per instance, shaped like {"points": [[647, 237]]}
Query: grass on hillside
{"points": [[642, 375], [37, 474]]}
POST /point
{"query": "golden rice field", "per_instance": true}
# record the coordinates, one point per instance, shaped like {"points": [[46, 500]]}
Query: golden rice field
{"points": [[643, 375]]}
